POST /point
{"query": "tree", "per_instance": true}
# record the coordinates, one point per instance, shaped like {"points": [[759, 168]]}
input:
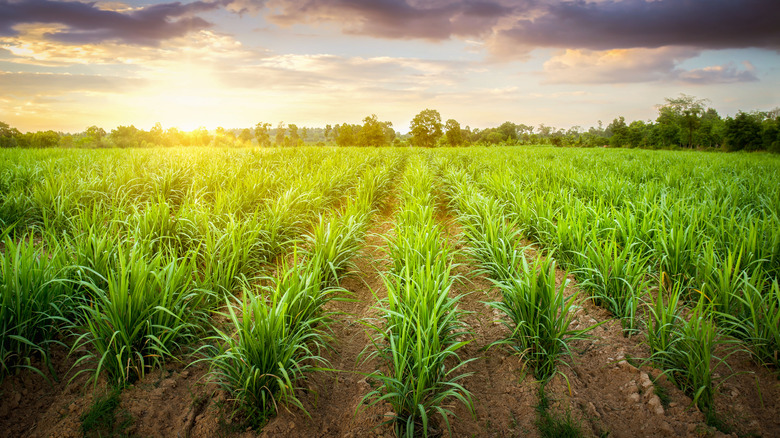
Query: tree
{"points": [[245, 135], [8, 136], [545, 131], [262, 134], [770, 134], [44, 139], [389, 132], [636, 133], [156, 134], [304, 134], [92, 137], [686, 110], [508, 131], [201, 137], [619, 131], [667, 131], [280, 133], [426, 128], [328, 129], [453, 133], [743, 132], [373, 132], [345, 134], [710, 130], [125, 136], [294, 138]]}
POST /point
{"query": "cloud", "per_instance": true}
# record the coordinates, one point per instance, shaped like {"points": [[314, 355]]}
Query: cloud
{"points": [[513, 28], [719, 74], [394, 19], [84, 23], [25, 84], [337, 74], [704, 24], [613, 66], [621, 66], [32, 47]]}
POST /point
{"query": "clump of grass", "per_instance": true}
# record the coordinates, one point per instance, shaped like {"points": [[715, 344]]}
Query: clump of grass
{"points": [[35, 301], [538, 316], [492, 234], [759, 325], [614, 277], [418, 340], [301, 288], [101, 418], [554, 426], [261, 360], [335, 242], [147, 310], [230, 252], [684, 348]]}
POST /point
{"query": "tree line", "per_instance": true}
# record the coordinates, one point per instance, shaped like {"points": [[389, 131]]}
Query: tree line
{"points": [[682, 122]]}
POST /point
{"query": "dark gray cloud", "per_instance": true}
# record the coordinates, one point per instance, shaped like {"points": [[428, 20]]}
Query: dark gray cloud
{"points": [[528, 24], [86, 23], [399, 19], [706, 24]]}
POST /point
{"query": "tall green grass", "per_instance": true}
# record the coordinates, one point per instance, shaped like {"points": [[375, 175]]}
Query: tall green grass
{"points": [[684, 345], [263, 358], [538, 316], [615, 278], [419, 341], [139, 315], [419, 333], [35, 302]]}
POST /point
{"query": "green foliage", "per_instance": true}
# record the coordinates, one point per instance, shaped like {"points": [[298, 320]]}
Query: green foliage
{"points": [[35, 302], [260, 360], [759, 323], [419, 340], [684, 348], [615, 278], [538, 315], [453, 133], [262, 134], [101, 418], [420, 332], [426, 128], [620, 133], [139, 315], [743, 132], [375, 133]]}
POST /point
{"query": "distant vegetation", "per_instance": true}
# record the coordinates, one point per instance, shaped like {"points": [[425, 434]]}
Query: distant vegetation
{"points": [[682, 122]]}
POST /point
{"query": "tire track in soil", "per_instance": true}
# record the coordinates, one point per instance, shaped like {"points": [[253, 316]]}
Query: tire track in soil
{"points": [[503, 397]]}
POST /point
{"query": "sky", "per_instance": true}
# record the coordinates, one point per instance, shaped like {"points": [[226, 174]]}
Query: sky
{"points": [[67, 65]]}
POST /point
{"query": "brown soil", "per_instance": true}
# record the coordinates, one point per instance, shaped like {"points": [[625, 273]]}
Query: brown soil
{"points": [[604, 392]]}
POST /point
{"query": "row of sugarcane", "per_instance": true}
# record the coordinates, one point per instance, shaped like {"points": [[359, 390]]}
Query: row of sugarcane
{"points": [[419, 333], [277, 333]]}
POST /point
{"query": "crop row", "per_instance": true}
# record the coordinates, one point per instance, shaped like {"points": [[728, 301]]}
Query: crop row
{"points": [[420, 332]]}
